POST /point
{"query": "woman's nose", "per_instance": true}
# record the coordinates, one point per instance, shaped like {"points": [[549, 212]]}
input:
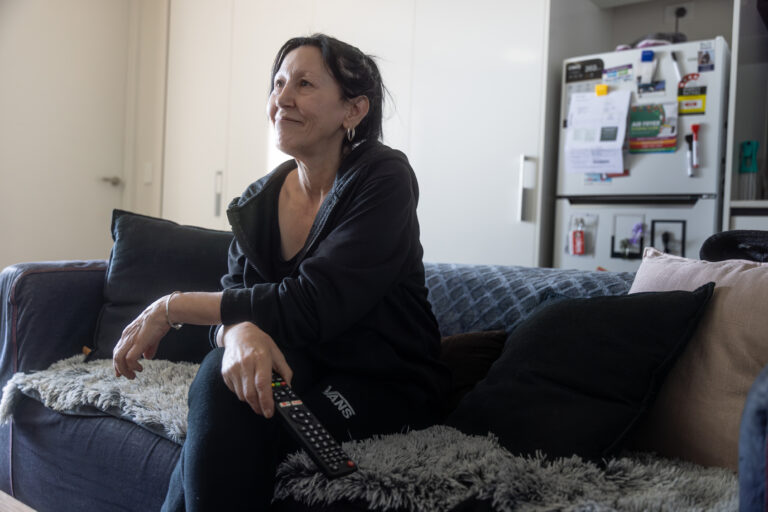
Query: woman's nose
{"points": [[283, 97]]}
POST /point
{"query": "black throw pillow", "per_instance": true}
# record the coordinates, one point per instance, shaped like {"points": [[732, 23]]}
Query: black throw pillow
{"points": [[469, 356], [575, 377], [150, 258]]}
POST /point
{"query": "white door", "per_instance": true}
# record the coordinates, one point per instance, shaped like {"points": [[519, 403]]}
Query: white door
{"points": [[62, 125], [197, 109], [476, 112]]}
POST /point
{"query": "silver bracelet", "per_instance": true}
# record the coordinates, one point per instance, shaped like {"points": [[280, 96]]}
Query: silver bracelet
{"points": [[175, 325]]}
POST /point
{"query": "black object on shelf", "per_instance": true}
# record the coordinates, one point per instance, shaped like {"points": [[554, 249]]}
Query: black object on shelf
{"points": [[762, 8], [740, 244]]}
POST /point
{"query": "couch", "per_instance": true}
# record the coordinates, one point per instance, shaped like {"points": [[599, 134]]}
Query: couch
{"points": [[92, 459]]}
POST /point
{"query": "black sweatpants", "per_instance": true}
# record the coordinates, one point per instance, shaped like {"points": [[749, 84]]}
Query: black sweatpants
{"points": [[229, 457]]}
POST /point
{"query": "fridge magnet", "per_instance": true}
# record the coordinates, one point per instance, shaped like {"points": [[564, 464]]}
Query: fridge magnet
{"points": [[706, 59], [628, 236], [591, 69], [656, 86], [691, 95], [653, 128], [597, 178], [669, 236], [618, 74], [582, 228], [604, 178]]}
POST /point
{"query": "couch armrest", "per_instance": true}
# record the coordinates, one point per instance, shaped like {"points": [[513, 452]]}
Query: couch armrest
{"points": [[752, 446], [49, 311]]}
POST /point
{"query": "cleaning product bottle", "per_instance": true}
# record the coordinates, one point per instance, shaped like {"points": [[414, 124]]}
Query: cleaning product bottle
{"points": [[748, 170], [576, 238]]}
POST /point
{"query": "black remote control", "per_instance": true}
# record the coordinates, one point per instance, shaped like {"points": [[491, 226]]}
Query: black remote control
{"points": [[309, 432]]}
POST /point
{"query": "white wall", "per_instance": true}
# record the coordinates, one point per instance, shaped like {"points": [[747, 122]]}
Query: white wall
{"points": [[706, 19]]}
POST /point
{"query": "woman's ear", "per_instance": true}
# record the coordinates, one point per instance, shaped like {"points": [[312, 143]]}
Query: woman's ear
{"points": [[358, 109]]}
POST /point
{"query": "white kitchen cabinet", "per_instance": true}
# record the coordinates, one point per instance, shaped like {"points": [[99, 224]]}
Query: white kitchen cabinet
{"points": [[476, 125], [197, 111]]}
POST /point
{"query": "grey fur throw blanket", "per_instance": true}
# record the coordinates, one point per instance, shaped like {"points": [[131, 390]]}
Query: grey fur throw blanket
{"points": [[428, 470]]}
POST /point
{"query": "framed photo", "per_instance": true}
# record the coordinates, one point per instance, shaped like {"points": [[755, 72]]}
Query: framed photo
{"points": [[628, 240], [669, 236]]}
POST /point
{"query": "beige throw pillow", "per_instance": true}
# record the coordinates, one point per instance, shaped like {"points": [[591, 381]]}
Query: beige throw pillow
{"points": [[697, 413]]}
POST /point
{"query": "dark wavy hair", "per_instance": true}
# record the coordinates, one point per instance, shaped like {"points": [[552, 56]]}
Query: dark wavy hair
{"points": [[356, 73]]}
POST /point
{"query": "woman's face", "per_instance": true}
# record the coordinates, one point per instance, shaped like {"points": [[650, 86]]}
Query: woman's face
{"points": [[306, 106]]}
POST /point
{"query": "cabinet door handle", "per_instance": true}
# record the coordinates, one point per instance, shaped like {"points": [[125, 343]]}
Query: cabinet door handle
{"points": [[218, 186], [521, 188]]}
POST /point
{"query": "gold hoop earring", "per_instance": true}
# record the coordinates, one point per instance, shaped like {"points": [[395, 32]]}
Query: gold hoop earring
{"points": [[350, 134]]}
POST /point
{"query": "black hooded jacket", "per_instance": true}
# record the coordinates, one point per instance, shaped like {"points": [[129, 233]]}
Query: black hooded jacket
{"points": [[355, 301]]}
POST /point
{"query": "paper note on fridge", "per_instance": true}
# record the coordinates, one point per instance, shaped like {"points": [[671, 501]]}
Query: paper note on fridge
{"points": [[595, 133]]}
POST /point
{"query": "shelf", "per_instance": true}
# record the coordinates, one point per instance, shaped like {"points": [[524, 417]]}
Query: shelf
{"points": [[607, 4], [760, 203], [749, 214]]}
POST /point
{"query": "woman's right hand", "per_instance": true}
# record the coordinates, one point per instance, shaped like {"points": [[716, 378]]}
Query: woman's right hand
{"points": [[250, 355], [140, 339]]}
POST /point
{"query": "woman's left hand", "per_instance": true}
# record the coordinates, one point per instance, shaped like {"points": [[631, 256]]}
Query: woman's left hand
{"points": [[140, 338]]}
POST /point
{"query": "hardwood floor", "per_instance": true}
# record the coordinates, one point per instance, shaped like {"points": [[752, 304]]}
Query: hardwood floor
{"points": [[9, 504]]}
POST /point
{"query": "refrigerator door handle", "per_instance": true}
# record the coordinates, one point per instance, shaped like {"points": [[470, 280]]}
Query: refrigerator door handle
{"points": [[640, 199], [521, 188]]}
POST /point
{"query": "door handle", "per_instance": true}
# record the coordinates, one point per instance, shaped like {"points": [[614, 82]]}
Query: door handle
{"points": [[218, 186], [521, 188], [115, 181]]}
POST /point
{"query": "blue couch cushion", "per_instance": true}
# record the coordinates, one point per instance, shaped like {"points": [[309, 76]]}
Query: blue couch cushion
{"points": [[150, 258], [470, 298], [576, 375]]}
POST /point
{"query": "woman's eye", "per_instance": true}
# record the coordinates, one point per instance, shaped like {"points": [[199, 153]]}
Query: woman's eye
{"points": [[278, 84], [305, 83]]}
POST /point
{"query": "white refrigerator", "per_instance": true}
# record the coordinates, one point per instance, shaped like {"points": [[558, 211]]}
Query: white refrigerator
{"points": [[656, 180]]}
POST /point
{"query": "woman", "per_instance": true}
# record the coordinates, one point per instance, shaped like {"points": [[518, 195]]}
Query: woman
{"points": [[325, 287]]}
